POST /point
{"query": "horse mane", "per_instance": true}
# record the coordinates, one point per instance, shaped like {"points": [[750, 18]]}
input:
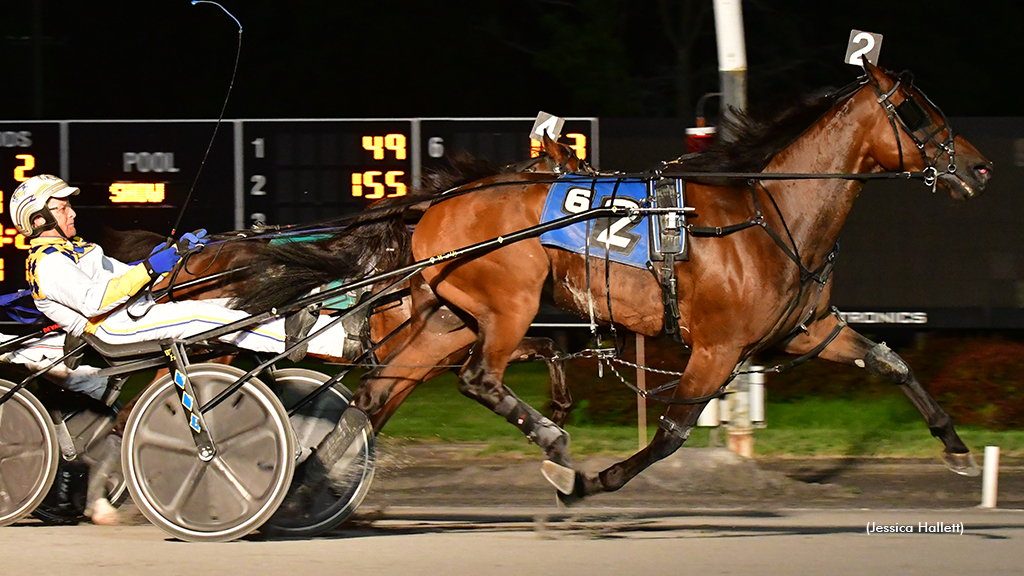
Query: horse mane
{"points": [[462, 169], [756, 137], [375, 241]]}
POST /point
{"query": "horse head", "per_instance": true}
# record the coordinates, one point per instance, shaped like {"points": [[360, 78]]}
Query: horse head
{"points": [[553, 158], [948, 160], [561, 158]]}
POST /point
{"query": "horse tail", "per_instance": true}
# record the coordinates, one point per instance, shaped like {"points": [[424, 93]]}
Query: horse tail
{"points": [[281, 273], [129, 245]]}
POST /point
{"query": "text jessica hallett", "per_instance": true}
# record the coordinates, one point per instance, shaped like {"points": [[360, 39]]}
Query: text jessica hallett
{"points": [[919, 528]]}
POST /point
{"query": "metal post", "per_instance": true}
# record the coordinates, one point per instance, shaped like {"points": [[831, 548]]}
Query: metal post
{"points": [[732, 57], [641, 383], [990, 477], [741, 432]]}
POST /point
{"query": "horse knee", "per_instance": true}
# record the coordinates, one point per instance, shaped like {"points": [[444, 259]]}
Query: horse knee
{"points": [[882, 361]]}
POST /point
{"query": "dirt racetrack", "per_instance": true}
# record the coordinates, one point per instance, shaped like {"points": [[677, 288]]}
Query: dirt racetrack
{"points": [[440, 509], [414, 474]]}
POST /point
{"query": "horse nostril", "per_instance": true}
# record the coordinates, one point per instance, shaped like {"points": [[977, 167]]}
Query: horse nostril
{"points": [[983, 172]]}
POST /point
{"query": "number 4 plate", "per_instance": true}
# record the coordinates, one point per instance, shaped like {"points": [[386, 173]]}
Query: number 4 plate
{"points": [[546, 123], [863, 46]]}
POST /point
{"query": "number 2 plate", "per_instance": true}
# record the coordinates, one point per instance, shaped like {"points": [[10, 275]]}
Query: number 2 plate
{"points": [[863, 46]]}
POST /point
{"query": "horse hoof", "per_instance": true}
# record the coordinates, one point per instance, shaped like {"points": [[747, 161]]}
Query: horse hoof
{"points": [[962, 464], [561, 477]]}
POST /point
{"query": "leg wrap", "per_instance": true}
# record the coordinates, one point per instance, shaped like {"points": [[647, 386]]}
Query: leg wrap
{"points": [[319, 467], [536, 426], [681, 432], [881, 361], [110, 461]]}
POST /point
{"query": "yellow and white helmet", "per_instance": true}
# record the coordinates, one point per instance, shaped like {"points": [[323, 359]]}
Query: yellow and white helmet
{"points": [[29, 201]]}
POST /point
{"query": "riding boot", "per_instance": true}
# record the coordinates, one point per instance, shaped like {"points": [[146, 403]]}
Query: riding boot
{"points": [[97, 507]]}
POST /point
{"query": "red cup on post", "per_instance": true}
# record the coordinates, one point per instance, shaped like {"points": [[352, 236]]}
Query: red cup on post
{"points": [[699, 138]]}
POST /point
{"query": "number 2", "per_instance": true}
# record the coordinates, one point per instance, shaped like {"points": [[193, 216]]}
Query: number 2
{"points": [[869, 43], [29, 163]]}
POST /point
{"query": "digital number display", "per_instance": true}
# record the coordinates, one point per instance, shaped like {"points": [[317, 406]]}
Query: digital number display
{"points": [[26, 150], [137, 192], [575, 140], [502, 142], [308, 171]]}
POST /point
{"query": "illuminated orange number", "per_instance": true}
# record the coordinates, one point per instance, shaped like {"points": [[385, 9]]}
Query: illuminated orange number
{"points": [[396, 143], [361, 180], [357, 184], [378, 144], [579, 145], [366, 179], [1, 269], [391, 180], [374, 144], [29, 163]]}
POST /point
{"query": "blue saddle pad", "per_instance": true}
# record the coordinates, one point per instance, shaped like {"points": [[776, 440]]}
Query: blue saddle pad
{"points": [[626, 240]]}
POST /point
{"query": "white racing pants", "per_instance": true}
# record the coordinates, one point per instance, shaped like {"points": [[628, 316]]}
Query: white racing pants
{"points": [[38, 354], [191, 317]]}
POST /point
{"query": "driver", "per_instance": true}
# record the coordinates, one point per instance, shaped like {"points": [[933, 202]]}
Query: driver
{"points": [[82, 290]]}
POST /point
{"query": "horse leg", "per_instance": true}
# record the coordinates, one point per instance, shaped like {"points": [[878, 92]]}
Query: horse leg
{"points": [[437, 338], [849, 347], [481, 380], [704, 374], [546, 350]]}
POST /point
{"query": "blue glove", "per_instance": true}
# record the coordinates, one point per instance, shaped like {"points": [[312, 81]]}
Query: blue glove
{"points": [[196, 239], [155, 249], [162, 261]]}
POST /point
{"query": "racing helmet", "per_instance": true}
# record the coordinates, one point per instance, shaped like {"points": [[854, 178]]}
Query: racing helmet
{"points": [[29, 201]]}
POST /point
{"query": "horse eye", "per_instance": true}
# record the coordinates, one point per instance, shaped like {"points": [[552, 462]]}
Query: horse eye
{"points": [[911, 113]]}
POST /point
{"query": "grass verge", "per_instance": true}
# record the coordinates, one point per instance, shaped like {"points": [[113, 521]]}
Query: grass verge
{"points": [[886, 426]]}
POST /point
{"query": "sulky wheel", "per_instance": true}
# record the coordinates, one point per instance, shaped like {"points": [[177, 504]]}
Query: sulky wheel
{"points": [[311, 423], [28, 454], [239, 488], [89, 427]]}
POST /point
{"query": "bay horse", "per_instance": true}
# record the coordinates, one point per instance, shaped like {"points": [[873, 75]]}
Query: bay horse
{"points": [[758, 273]]}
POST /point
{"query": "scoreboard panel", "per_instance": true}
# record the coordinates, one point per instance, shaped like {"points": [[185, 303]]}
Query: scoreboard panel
{"points": [[136, 175], [26, 149], [502, 141], [301, 171]]}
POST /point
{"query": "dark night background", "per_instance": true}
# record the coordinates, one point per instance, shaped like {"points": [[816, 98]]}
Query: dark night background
{"points": [[608, 58], [639, 66]]}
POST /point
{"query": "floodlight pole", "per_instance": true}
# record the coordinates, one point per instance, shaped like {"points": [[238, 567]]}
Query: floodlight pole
{"points": [[732, 57], [732, 76]]}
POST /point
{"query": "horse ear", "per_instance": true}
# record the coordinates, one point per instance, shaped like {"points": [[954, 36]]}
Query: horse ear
{"points": [[875, 74], [552, 149]]}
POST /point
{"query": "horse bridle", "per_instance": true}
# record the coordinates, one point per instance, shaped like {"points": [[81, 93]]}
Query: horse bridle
{"points": [[911, 117]]}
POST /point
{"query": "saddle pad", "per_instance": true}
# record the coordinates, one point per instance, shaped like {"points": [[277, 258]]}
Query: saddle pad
{"points": [[625, 240]]}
